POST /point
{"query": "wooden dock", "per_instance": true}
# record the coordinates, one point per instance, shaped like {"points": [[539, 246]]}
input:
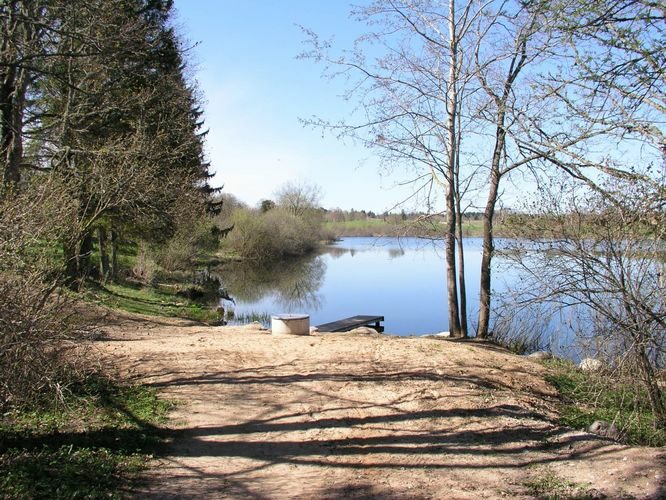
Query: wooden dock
{"points": [[344, 325]]}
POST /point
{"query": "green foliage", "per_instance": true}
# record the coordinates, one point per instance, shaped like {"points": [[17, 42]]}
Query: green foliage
{"points": [[112, 115], [86, 448], [620, 399], [64, 472], [266, 205], [361, 227], [546, 485]]}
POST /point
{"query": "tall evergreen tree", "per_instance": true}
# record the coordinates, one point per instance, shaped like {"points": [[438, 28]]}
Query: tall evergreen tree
{"points": [[119, 123]]}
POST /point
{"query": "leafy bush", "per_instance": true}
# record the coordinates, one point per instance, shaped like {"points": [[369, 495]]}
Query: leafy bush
{"points": [[251, 237]]}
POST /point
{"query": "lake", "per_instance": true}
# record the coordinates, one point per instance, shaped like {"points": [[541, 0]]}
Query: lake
{"points": [[402, 279]]}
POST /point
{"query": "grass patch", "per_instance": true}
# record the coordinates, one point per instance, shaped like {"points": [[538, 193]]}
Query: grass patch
{"points": [[150, 301], [362, 227], [87, 447], [586, 397], [546, 485]]}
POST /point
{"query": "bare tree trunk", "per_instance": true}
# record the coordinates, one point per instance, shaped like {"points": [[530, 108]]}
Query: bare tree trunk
{"points": [[450, 252], [487, 254], [451, 212], [114, 255], [85, 252], [461, 246], [19, 32], [491, 203], [654, 391], [103, 255], [12, 101], [501, 100], [461, 278]]}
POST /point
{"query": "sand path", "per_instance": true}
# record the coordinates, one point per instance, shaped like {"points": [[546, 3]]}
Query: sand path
{"points": [[339, 416]]}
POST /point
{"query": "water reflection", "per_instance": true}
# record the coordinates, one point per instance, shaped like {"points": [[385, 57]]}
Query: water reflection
{"points": [[339, 251], [292, 285], [394, 253], [336, 252], [402, 280]]}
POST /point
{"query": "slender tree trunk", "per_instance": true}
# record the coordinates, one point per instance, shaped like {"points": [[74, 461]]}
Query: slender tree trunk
{"points": [[462, 287], [461, 275], [654, 391], [451, 136], [19, 33], [12, 99], [516, 66], [488, 224], [103, 255], [114, 255], [487, 255], [450, 252], [84, 262]]}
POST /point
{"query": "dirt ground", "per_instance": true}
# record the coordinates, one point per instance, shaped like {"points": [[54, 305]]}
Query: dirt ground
{"points": [[361, 416]]}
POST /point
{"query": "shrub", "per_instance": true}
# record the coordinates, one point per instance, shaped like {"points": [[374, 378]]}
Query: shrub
{"points": [[192, 240], [145, 266], [264, 237], [293, 235], [615, 396], [34, 330], [251, 237], [520, 330]]}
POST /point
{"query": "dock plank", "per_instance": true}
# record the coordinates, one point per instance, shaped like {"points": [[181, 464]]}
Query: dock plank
{"points": [[346, 324]]}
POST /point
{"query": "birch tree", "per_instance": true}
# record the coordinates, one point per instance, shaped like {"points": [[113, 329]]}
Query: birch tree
{"points": [[412, 93]]}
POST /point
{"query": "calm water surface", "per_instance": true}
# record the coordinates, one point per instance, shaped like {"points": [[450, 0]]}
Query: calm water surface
{"points": [[400, 279]]}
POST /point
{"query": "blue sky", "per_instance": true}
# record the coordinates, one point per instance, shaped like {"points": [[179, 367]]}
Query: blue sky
{"points": [[255, 91]]}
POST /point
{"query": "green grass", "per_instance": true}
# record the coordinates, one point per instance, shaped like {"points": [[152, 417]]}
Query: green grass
{"points": [[150, 301], [586, 397], [362, 227], [87, 447], [546, 485]]}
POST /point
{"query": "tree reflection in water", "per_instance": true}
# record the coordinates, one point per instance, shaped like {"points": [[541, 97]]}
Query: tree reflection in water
{"points": [[394, 253], [293, 284]]}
